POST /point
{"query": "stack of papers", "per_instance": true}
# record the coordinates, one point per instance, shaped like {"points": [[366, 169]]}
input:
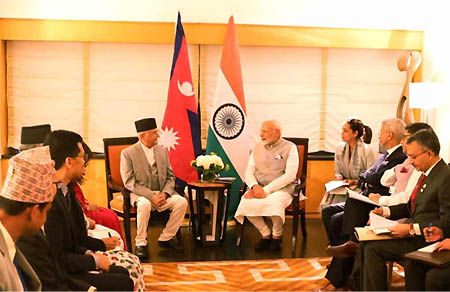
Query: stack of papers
{"points": [[380, 225], [428, 248], [336, 187], [358, 196]]}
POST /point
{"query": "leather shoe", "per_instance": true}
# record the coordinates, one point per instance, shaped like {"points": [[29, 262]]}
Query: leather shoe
{"points": [[142, 252], [263, 243], [172, 244], [275, 244], [330, 287], [345, 250]]}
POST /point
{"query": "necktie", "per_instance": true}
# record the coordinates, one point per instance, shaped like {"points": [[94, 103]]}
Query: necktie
{"points": [[68, 201], [19, 271], [416, 191]]}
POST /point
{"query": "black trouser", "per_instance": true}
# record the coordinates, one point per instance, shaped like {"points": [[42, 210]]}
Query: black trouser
{"points": [[332, 217], [376, 253], [356, 214], [421, 277], [339, 269], [117, 279]]}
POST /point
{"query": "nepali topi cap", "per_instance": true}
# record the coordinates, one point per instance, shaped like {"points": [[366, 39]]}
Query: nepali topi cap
{"points": [[30, 177], [145, 124]]}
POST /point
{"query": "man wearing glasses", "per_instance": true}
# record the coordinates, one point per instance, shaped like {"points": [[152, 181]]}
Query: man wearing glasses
{"points": [[429, 204], [77, 253], [354, 213]]}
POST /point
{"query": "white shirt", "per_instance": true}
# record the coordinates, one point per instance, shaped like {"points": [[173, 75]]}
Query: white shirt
{"points": [[63, 188], [416, 226], [402, 197], [149, 153], [388, 179], [280, 182], [390, 150]]}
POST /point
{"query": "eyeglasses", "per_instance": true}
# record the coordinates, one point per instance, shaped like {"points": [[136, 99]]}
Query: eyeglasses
{"points": [[80, 156], [414, 157], [406, 136]]}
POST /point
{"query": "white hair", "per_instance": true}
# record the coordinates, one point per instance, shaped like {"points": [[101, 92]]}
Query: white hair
{"points": [[396, 126], [274, 124]]}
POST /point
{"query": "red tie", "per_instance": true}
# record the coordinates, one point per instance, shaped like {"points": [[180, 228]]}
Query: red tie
{"points": [[416, 190]]}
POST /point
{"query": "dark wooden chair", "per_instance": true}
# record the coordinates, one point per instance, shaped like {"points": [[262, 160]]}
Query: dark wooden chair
{"points": [[118, 195], [114, 184], [297, 208]]}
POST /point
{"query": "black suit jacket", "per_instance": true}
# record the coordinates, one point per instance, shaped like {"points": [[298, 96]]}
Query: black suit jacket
{"points": [[67, 235], [39, 254], [356, 213], [370, 180], [432, 203]]}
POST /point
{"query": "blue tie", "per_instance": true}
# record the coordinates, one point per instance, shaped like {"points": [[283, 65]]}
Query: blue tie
{"points": [[19, 271]]}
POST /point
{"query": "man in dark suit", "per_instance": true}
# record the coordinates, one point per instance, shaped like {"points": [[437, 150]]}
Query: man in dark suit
{"points": [[429, 204], [341, 219], [420, 276], [39, 254], [77, 253]]}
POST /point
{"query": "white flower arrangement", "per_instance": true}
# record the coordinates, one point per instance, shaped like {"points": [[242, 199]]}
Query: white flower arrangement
{"points": [[209, 165]]}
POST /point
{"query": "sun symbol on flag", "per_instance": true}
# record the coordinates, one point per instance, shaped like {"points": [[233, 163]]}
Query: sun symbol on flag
{"points": [[168, 138]]}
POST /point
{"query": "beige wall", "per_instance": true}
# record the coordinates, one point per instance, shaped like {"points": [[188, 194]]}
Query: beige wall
{"points": [[399, 14]]}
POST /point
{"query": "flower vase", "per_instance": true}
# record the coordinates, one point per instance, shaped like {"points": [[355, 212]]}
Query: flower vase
{"points": [[208, 177]]}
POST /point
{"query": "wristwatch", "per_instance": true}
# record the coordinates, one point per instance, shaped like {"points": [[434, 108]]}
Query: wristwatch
{"points": [[411, 229]]}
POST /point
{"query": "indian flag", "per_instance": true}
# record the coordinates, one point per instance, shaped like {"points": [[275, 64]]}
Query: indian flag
{"points": [[229, 134]]}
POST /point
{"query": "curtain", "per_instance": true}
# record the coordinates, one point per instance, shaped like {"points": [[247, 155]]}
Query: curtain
{"points": [[100, 89]]}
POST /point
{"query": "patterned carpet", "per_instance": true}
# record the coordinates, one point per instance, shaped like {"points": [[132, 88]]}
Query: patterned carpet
{"points": [[306, 274]]}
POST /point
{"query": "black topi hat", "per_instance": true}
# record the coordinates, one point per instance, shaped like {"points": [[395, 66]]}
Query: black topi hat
{"points": [[145, 124], [34, 134]]}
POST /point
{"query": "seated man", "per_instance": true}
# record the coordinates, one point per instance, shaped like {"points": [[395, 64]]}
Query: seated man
{"points": [[98, 218], [340, 225], [429, 204], [402, 178], [66, 232], [422, 277], [146, 172], [270, 175], [24, 202], [39, 254]]}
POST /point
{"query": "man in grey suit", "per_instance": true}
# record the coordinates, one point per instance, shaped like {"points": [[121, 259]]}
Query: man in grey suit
{"points": [[25, 199], [146, 172], [429, 204]]}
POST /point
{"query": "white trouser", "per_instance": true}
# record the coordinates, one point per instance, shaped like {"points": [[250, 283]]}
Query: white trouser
{"points": [[176, 203], [260, 224]]}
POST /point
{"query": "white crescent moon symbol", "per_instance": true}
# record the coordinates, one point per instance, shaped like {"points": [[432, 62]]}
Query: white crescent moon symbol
{"points": [[185, 88]]}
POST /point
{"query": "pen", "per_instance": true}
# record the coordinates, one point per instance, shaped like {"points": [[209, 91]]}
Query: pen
{"points": [[428, 230]]}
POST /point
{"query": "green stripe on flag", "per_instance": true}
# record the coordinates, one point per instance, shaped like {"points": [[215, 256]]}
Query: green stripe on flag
{"points": [[213, 145]]}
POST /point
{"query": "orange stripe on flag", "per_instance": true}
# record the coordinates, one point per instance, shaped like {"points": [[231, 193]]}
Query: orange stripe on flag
{"points": [[231, 63]]}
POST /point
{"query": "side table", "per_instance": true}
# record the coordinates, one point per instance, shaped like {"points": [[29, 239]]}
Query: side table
{"points": [[218, 194]]}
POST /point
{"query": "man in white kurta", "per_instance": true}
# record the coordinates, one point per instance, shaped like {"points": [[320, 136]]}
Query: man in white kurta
{"points": [[270, 176]]}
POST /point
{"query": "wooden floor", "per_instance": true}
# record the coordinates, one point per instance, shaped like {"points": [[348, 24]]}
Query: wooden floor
{"points": [[231, 268], [251, 275], [313, 246], [301, 274]]}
